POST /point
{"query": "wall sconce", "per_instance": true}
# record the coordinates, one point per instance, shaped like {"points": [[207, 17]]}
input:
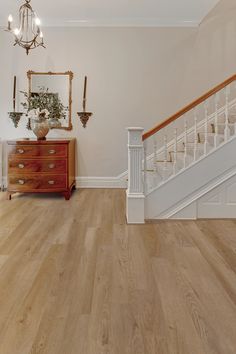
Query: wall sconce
{"points": [[84, 116], [15, 116]]}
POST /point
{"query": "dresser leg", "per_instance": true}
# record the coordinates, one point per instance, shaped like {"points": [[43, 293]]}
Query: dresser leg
{"points": [[8, 196], [67, 195]]}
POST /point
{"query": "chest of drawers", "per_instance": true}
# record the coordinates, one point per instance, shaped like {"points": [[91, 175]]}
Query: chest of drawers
{"points": [[45, 166]]}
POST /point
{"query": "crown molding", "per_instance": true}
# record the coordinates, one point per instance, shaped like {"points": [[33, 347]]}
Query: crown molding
{"points": [[122, 22], [116, 22]]}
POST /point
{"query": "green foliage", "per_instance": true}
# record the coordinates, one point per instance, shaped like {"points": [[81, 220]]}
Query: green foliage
{"points": [[44, 100]]}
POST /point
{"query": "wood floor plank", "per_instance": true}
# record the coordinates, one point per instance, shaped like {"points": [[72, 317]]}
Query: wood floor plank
{"points": [[76, 279]]}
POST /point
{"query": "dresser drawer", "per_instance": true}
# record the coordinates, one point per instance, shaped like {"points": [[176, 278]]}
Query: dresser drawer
{"points": [[22, 151], [20, 183], [24, 166]]}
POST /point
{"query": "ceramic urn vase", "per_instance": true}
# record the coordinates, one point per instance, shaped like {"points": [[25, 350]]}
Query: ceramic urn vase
{"points": [[40, 128]]}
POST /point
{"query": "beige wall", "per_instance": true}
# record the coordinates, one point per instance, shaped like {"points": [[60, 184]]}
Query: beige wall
{"points": [[136, 77]]}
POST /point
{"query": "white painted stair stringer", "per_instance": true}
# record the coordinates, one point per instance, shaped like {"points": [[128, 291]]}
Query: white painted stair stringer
{"points": [[190, 184], [188, 208]]}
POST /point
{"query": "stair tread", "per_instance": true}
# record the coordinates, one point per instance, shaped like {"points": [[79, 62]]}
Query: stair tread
{"points": [[224, 124], [210, 133]]}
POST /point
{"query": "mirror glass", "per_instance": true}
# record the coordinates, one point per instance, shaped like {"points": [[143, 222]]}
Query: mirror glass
{"points": [[58, 87]]}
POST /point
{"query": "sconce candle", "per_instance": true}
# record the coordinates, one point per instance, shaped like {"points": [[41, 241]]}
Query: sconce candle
{"points": [[85, 91], [14, 94]]}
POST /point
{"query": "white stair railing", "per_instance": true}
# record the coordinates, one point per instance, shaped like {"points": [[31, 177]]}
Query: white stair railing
{"points": [[188, 136]]}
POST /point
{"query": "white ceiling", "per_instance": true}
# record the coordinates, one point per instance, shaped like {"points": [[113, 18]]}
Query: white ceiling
{"points": [[114, 12]]}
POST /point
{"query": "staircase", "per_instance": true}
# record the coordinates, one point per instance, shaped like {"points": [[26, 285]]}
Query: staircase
{"points": [[185, 167]]}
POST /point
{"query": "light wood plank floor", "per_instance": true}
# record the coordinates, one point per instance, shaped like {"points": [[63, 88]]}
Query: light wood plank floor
{"points": [[75, 279]]}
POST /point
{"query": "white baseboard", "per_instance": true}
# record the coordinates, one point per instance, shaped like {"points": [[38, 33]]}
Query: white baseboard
{"points": [[101, 182], [95, 182]]}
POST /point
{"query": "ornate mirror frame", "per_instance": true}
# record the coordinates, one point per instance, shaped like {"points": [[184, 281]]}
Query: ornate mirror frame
{"points": [[50, 73]]}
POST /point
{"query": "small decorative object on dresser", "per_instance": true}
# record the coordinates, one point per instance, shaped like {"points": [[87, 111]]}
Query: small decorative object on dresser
{"points": [[41, 166]]}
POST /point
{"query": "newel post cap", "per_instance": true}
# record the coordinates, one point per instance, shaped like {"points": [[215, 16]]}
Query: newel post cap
{"points": [[135, 135], [135, 129]]}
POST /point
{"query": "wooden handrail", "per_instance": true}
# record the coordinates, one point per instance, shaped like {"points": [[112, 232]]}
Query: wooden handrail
{"points": [[188, 107]]}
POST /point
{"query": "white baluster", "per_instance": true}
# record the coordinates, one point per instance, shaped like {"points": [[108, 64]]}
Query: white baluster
{"points": [[216, 130], [185, 142], [145, 167], [135, 193], [195, 136], [175, 151], [155, 153], [165, 158], [227, 129], [206, 128]]}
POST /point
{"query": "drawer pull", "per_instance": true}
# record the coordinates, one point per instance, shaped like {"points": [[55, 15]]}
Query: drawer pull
{"points": [[51, 165], [52, 152], [20, 151], [51, 182], [21, 181], [21, 165]]}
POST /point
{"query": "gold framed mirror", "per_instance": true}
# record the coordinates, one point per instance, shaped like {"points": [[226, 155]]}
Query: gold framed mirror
{"points": [[58, 86]]}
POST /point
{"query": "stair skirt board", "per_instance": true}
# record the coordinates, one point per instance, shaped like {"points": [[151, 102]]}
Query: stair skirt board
{"points": [[219, 203]]}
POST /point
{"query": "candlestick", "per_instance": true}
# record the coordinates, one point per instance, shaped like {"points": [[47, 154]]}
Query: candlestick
{"points": [[85, 91], [14, 94]]}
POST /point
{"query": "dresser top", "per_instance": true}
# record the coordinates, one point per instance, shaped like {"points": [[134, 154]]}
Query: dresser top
{"points": [[49, 141]]}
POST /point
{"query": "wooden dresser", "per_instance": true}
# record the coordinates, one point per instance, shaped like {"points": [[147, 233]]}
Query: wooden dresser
{"points": [[45, 166]]}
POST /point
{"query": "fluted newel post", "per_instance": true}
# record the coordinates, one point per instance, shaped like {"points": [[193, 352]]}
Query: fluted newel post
{"points": [[135, 192]]}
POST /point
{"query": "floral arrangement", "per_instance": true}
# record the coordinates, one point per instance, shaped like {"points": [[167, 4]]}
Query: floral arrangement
{"points": [[43, 105], [38, 115]]}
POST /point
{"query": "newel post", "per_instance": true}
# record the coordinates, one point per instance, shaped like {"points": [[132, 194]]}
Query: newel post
{"points": [[135, 193]]}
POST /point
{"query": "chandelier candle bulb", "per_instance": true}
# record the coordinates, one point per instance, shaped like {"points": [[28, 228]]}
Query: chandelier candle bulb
{"points": [[37, 21], [16, 32], [10, 19]]}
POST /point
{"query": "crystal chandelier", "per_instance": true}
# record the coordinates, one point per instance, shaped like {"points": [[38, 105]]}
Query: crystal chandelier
{"points": [[28, 35]]}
